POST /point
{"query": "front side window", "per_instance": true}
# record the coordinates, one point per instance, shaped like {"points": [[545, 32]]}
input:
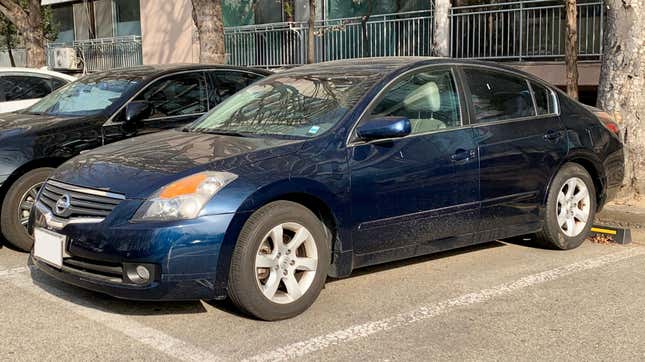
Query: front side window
{"points": [[545, 102], [177, 95], [294, 106], [21, 87], [90, 95], [498, 96], [428, 99]]}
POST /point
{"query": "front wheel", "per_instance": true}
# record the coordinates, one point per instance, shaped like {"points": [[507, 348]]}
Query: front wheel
{"points": [[570, 208], [17, 206], [280, 262]]}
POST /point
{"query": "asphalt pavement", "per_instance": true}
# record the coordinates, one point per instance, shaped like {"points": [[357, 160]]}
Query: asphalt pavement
{"points": [[498, 301]]}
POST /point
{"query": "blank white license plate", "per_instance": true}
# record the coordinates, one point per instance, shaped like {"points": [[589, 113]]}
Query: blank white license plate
{"points": [[49, 246]]}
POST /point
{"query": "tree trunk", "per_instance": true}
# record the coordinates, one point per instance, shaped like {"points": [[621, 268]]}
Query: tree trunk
{"points": [[29, 23], [571, 48], [207, 15], [366, 38], [311, 33], [9, 51], [441, 39], [622, 81]]}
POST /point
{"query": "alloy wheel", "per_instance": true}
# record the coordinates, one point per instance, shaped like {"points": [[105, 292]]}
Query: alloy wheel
{"points": [[286, 263], [573, 207], [26, 204]]}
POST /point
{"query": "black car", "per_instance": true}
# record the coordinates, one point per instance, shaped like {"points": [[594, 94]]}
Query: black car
{"points": [[96, 110]]}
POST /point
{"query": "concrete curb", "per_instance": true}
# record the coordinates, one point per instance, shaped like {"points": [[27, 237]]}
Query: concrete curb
{"points": [[622, 216]]}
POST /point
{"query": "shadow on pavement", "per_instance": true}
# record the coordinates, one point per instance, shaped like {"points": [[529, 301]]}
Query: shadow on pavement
{"points": [[110, 304], [418, 259]]}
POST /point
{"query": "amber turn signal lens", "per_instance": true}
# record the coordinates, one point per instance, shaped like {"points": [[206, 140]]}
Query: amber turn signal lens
{"points": [[184, 186]]}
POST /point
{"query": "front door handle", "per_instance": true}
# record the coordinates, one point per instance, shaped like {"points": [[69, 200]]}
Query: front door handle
{"points": [[552, 135], [463, 155]]}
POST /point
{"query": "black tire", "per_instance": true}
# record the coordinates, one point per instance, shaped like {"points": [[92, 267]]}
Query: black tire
{"points": [[12, 229], [243, 288], [552, 236]]}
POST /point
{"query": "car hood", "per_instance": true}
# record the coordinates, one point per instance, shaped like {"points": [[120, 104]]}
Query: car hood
{"points": [[139, 166], [14, 123]]}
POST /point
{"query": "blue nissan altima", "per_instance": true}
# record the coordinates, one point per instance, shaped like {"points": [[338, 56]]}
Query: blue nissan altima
{"points": [[322, 169]]}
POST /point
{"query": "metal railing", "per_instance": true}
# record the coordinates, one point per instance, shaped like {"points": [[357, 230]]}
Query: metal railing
{"points": [[285, 44], [103, 54], [523, 30], [518, 30]]}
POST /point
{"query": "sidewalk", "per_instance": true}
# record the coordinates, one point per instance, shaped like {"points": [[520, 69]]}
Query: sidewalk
{"points": [[623, 213]]}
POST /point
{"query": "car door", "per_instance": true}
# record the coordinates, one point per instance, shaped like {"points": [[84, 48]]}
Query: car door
{"points": [[519, 145], [421, 188], [224, 83]]}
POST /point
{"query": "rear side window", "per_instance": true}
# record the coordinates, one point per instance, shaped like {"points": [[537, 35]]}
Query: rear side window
{"points": [[177, 95], [545, 102], [227, 83], [20, 87], [497, 96]]}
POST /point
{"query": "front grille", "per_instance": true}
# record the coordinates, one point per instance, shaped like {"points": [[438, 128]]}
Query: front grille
{"points": [[82, 202]]}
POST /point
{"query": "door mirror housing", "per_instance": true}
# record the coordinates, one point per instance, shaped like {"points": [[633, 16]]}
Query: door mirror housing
{"points": [[137, 110], [384, 128]]}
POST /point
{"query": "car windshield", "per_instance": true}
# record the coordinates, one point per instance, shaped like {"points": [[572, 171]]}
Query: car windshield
{"points": [[87, 96], [300, 106]]}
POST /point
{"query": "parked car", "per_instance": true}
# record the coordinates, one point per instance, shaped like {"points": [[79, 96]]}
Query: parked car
{"points": [[22, 87], [323, 169], [96, 110]]}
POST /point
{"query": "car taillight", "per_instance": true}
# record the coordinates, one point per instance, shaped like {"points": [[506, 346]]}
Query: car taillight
{"points": [[608, 121]]}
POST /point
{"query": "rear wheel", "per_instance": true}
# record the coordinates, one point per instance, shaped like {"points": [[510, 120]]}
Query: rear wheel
{"points": [[570, 208], [280, 262], [17, 206]]}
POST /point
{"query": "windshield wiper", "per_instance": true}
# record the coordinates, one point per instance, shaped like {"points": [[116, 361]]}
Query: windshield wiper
{"points": [[225, 133]]}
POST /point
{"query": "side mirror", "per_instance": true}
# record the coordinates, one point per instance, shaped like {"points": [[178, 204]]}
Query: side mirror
{"points": [[137, 110], [383, 128]]}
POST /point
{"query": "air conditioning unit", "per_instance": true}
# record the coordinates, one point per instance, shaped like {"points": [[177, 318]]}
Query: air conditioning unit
{"points": [[65, 58]]}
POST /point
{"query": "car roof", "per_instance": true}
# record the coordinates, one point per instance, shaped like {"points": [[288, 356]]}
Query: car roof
{"points": [[154, 71], [386, 65], [37, 71]]}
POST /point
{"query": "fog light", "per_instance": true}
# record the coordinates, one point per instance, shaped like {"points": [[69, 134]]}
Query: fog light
{"points": [[140, 273], [143, 272]]}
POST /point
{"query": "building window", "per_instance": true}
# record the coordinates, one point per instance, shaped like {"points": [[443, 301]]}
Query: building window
{"points": [[127, 17], [64, 18]]}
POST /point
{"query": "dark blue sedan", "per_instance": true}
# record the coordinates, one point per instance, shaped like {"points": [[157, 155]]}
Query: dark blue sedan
{"points": [[323, 169]]}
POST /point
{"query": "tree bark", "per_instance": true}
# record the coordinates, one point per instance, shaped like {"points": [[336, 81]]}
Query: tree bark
{"points": [[311, 33], [571, 48], [364, 20], [622, 81], [29, 23], [441, 41], [10, 52], [207, 15]]}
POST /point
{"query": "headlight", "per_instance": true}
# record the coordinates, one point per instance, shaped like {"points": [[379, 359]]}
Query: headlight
{"points": [[183, 199]]}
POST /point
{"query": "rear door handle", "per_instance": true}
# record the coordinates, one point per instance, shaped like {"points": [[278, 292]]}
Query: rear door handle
{"points": [[552, 135], [463, 155]]}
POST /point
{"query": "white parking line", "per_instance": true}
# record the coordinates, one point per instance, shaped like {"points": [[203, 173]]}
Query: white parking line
{"points": [[153, 338], [421, 313]]}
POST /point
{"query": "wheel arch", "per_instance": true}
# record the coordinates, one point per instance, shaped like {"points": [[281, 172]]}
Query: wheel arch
{"points": [[310, 194], [592, 165], [52, 162]]}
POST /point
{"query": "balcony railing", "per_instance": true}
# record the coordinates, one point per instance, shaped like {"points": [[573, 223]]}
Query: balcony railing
{"points": [[520, 30], [103, 54], [523, 30]]}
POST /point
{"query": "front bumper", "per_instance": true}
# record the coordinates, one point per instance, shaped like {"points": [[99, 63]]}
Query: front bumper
{"points": [[183, 255]]}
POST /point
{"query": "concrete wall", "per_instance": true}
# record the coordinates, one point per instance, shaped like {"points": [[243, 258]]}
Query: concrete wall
{"points": [[555, 72], [169, 34]]}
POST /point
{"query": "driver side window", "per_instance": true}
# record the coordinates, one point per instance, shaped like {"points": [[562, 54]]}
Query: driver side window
{"points": [[177, 95], [428, 99]]}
